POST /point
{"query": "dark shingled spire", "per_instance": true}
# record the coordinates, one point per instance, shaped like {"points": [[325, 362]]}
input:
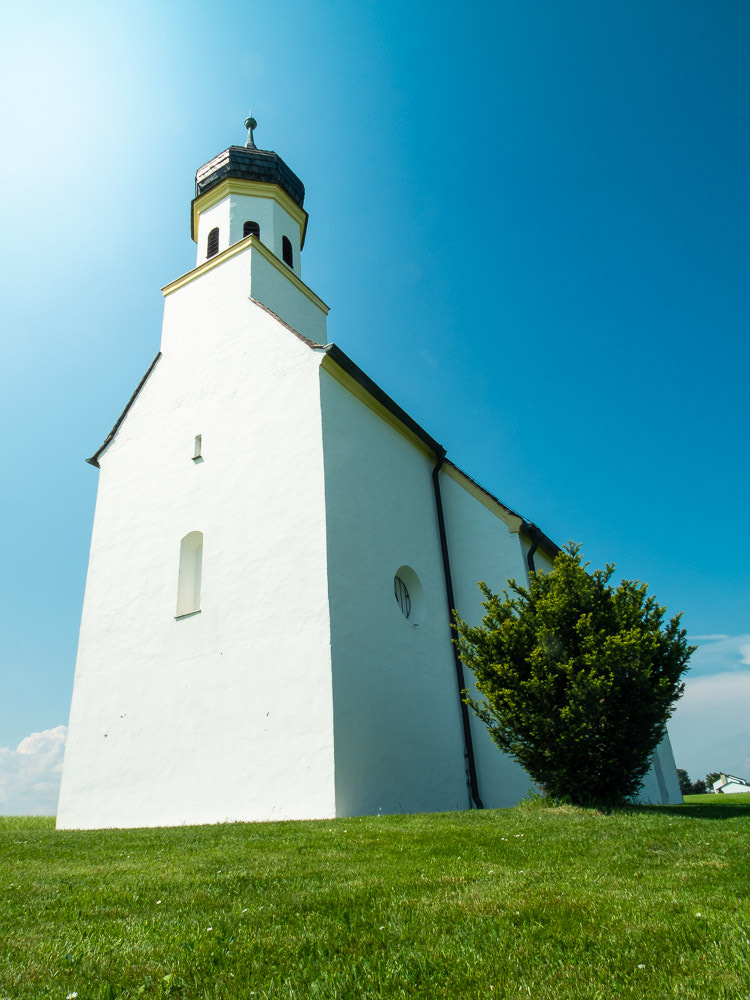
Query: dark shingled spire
{"points": [[250, 163]]}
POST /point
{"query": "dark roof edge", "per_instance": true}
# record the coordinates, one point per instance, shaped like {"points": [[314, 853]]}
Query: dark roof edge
{"points": [[94, 460], [528, 528], [346, 364]]}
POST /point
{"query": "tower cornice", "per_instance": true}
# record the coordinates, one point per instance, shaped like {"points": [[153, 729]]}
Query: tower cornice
{"points": [[254, 189]]}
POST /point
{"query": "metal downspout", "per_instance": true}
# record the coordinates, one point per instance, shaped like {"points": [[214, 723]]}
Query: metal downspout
{"points": [[471, 768], [532, 532]]}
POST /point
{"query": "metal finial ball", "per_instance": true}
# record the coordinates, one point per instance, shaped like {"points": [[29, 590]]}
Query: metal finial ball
{"points": [[250, 122]]}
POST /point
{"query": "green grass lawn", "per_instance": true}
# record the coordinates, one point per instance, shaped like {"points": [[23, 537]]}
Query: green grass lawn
{"points": [[528, 902]]}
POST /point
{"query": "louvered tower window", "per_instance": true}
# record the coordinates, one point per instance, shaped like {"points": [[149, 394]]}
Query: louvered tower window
{"points": [[212, 247], [250, 229], [286, 251]]}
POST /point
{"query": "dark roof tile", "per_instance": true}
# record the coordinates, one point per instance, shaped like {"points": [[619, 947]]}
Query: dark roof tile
{"points": [[249, 164]]}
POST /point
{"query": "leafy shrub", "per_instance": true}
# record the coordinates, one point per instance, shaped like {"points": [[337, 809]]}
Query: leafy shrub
{"points": [[578, 678]]}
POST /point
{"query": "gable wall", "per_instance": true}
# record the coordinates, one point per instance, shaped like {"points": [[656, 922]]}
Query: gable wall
{"points": [[397, 727], [482, 547], [210, 717]]}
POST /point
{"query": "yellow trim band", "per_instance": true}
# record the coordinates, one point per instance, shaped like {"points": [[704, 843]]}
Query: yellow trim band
{"points": [[360, 393], [286, 271], [252, 189], [512, 521]]}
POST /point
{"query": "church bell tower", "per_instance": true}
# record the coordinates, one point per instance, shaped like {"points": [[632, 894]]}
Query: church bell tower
{"points": [[202, 689], [246, 191]]}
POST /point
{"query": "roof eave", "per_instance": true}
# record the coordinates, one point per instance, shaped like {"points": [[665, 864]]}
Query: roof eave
{"points": [[527, 528], [94, 460]]}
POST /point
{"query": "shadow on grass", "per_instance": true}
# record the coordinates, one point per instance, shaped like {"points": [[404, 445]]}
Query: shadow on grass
{"points": [[724, 808]]}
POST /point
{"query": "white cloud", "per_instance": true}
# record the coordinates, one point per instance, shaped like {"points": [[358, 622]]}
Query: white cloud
{"points": [[710, 731], [719, 653], [30, 774]]}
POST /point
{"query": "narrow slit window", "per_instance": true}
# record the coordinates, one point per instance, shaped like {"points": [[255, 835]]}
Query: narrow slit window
{"points": [[197, 448], [250, 229], [286, 251], [189, 580], [212, 246]]}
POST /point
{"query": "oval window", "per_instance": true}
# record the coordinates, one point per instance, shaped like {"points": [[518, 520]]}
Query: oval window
{"points": [[402, 596], [409, 595]]}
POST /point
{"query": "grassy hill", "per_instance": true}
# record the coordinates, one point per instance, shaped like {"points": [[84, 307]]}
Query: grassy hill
{"points": [[528, 902]]}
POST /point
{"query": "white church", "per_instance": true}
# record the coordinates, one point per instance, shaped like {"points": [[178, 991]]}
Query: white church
{"points": [[276, 550]]}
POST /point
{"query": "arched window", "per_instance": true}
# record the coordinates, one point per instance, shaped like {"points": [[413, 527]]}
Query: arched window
{"points": [[212, 246], [286, 251], [189, 580], [250, 229]]}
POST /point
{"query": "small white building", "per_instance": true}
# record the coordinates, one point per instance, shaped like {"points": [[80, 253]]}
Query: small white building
{"points": [[730, 784], [276, 548]]}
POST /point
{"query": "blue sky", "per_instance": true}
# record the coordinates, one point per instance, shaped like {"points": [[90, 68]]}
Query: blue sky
{"points": [[530, 220]]}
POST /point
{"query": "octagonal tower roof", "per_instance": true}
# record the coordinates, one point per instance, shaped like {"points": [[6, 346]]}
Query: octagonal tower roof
{"points": [[253, 165], [250, 163]]}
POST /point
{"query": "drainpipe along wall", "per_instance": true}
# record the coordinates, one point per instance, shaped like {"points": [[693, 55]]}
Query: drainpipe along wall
{"points": [[471, 768], [532, 533]]}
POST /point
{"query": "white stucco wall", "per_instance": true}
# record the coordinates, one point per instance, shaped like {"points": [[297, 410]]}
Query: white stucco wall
{"points": [[542, 562], [215, 217], [482, 547], [226, 714], [284, 225], [271, 285], [397, 727]]}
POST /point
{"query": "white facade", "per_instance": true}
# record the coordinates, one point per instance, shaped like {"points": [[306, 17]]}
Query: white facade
{"points": [[231, 211], [241, 655], [208, 717]]}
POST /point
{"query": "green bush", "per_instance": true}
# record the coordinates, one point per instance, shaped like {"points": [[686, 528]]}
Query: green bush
{"points": [[578, 678]]}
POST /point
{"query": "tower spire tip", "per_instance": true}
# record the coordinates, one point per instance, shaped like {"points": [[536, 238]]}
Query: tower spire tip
{"points": [[250, 125]]}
